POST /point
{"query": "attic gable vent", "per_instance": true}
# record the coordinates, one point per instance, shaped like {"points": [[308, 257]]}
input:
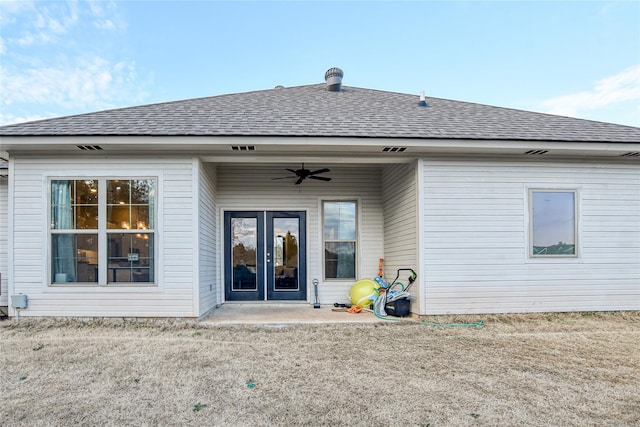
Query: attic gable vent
{"points": [[243, 147], [535, 152], [394, 149], [631, 154], [89, 147]]}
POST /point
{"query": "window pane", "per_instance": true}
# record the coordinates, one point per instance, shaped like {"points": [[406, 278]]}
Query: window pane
{"points": [[130, 204], [130, 257], [61, 208], [118, 192], [74, 204], [140, 218], [141, 190], [86, 192], [146, 212], [87, 217], [340, 221], [118, 217], [553, 223], [340, 260], [74, 258]]}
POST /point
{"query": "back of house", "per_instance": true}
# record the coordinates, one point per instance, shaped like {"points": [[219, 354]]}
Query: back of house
{"points": [[169, 210]]}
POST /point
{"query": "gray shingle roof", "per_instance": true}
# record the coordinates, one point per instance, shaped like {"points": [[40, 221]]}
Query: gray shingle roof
{"points": [[313, 111]]}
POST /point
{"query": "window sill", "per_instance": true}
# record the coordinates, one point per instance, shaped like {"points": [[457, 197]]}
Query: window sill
{"points": [[89, 287], [553, 259], [341, 280]]}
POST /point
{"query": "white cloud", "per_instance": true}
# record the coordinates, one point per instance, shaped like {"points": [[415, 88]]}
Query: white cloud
{"points": [[48, 24], [56, 60], [38, 38], [607, 92], [96, 8], [11, 8], [6, 119], [106, 24], [105, 14], [42, 23], [87, 81]]}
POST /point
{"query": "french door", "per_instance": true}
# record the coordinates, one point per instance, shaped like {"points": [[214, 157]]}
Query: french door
{"points": [[265, 255]]}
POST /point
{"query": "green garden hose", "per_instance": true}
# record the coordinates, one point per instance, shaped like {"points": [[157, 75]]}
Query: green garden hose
{"points": [[446, 325]]}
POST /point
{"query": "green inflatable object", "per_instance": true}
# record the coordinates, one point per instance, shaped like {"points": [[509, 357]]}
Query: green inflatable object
{"points": [[364, 292]]}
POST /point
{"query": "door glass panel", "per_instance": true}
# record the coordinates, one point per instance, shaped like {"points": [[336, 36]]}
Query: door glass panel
{"points": [[285, 243], [244, 241]]}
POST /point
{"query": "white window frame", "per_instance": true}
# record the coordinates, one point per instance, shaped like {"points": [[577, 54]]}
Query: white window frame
{"points": [[102, 232], [576, 211], [355, 241]]}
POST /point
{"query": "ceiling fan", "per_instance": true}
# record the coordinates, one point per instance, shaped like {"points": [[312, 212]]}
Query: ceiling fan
{"points": [[303, 174]]}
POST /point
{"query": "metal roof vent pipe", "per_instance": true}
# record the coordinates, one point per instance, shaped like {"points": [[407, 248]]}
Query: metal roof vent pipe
{"points": [[333, 77], [423, 100]]}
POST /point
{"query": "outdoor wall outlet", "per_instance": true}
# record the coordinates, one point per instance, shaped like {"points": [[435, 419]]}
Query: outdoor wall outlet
{"points": [[19, 301]]}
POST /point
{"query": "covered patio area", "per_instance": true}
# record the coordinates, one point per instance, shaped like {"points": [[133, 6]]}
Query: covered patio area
{"points": [[279, 314]]}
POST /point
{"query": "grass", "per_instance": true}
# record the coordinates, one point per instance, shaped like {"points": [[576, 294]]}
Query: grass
{"points": [[542, 369]]}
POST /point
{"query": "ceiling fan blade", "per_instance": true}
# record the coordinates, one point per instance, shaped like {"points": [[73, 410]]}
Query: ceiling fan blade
{"points": [[299, 180], [320, 171], [283, 177], [320, 178]]}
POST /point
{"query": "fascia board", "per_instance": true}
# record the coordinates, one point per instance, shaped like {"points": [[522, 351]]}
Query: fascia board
{"points": [[198, 143]]}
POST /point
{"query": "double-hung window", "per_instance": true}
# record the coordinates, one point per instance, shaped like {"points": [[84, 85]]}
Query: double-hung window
{"points": [[74, 231], [102, 231], [339, 232], [553, 231]]}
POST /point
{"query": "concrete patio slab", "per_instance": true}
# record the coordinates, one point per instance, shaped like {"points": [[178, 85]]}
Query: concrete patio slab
{"points": [[283, 314]]}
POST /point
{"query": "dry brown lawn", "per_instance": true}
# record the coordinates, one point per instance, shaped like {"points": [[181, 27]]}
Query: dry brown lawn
{"points": [[557, 369]]}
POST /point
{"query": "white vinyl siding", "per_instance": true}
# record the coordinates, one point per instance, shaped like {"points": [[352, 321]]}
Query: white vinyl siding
{"points": [[476, 238], [250, 187], [211, 290], [400, 194], [174, 294], [4, 261]]}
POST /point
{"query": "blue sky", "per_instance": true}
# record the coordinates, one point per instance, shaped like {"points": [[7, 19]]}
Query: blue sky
{"points": [[580, 59]]}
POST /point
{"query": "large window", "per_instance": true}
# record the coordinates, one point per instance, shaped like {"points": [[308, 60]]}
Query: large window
{"points": [[102, 231], [553, 223], [339, 230]]}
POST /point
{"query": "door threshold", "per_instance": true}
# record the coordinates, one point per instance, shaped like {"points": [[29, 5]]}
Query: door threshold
{"points": [[272, 302]]}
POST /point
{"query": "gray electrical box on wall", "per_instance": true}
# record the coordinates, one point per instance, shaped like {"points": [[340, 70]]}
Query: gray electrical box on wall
{"points": [[19, 301]]}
